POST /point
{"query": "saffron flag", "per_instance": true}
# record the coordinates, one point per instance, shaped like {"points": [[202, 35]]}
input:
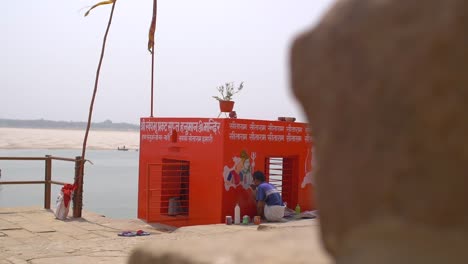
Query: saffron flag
{"points": [[98, 4], [152, 28]]}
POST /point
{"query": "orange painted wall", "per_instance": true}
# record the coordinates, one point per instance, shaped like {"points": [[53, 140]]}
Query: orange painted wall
{"points": [[253, 141], [214, 147], [198, 141]]}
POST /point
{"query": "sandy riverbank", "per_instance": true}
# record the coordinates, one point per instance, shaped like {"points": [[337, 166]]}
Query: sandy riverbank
{"points": [[30, 138]]}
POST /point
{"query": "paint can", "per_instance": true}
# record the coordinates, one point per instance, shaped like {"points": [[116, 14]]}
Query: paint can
{"points": [[246, 220], [228, 220], [257, 220]]}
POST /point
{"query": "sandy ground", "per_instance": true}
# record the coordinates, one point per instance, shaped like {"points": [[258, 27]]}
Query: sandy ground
{"points": [[25, 138]]}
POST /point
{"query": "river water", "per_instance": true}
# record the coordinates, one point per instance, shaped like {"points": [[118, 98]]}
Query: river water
{"points": [[110, 183]]}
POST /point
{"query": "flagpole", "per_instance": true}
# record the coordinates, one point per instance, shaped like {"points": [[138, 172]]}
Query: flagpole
{"points": [[152, 81], [151, 49]]}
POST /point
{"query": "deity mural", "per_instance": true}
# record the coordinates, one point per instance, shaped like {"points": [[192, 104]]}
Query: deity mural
{"points": [[309, 169], [240, 174]]}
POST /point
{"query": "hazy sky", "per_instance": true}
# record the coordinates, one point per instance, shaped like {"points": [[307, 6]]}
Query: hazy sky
{"points": [[49, 54]]}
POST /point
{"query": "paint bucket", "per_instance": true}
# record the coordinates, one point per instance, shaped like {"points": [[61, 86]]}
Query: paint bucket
{"points": [[246, 220], [257, 220]]}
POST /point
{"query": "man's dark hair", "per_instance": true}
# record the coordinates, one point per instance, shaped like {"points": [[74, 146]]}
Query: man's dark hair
{"points": [[259, 176]]}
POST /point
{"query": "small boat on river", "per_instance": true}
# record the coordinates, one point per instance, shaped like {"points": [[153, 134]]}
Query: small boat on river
{"points": [[122, 148]]}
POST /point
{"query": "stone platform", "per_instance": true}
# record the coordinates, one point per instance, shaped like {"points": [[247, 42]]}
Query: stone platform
{"points": [[33, 235]]}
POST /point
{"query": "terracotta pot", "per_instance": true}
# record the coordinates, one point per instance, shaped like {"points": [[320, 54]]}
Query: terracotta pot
{"points": [[226, 106]]}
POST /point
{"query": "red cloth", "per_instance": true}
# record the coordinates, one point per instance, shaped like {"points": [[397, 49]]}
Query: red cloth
{"points": [[67, 191]]}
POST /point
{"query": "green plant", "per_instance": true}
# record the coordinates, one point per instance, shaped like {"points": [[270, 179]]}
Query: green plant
{"points": [[227, 91]]}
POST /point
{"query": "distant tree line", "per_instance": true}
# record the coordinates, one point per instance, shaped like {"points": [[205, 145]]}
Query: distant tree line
{"points": [[41, 123]]}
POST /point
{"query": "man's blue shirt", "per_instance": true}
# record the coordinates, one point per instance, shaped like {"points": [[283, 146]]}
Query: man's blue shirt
{"points": [[268, 193]]}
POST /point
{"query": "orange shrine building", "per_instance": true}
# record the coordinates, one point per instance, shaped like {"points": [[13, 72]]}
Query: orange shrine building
{"points": [[194, 171]]}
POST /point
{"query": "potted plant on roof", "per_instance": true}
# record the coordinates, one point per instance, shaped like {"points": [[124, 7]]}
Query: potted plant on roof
{"points": [[227, 91]]}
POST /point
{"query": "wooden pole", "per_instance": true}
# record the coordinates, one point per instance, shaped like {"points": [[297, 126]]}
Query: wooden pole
{"points": [[78, 193], [77, 207], [47, 181]]}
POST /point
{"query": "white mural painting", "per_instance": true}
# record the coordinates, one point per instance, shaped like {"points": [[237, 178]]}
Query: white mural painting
{"points": [[309, 169], [240, 172]]}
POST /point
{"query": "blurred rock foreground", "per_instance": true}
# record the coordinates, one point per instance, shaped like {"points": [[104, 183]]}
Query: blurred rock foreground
{"points": [[291, 242], [384, 84]]}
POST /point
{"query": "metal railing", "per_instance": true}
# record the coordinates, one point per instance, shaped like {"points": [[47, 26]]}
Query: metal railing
{"points": [[77, 197]]}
